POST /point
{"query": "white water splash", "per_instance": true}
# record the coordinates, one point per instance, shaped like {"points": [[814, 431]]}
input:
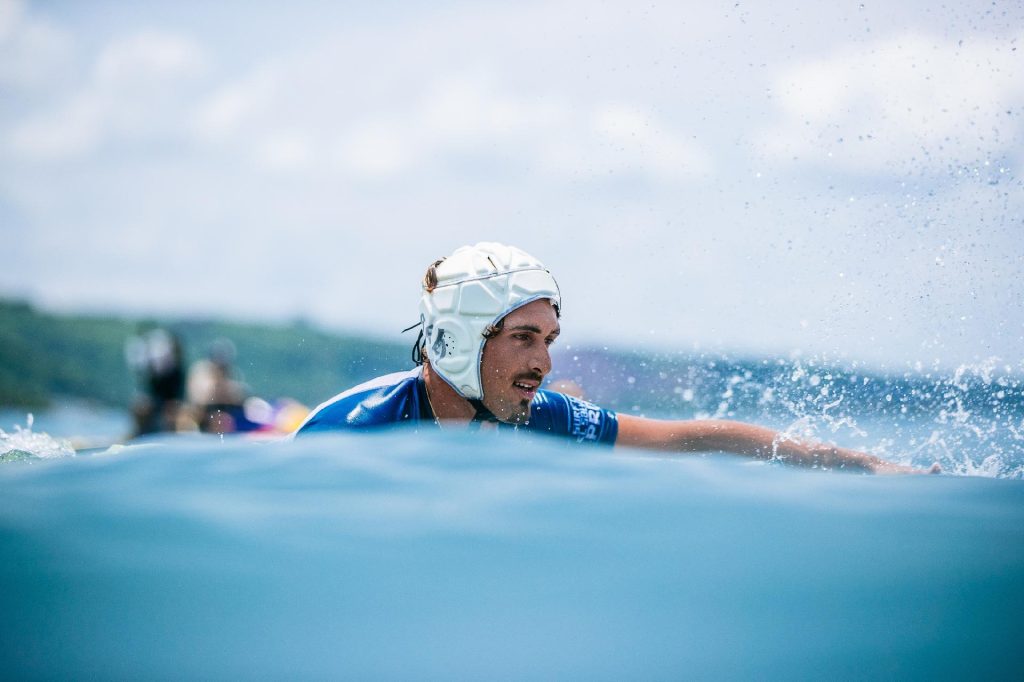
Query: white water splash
{"points": [[25, 444], [969, 419]]}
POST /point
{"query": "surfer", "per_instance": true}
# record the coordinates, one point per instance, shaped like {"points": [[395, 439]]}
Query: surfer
{"points": [[156, 357], [215, 396], [488, 315]]}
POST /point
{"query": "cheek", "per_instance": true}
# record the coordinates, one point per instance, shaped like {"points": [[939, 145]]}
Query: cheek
{"points": [[494, 375], [494, 365]]}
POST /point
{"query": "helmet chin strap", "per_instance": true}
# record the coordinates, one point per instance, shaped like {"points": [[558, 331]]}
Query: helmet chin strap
{"points": [[482, 413]]}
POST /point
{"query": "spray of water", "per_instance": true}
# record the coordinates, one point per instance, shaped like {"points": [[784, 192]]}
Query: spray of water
{"points": [[26, 444], [971, 421]]}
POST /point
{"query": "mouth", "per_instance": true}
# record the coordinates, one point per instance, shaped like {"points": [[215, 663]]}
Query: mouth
{"points": [[526, 388]]}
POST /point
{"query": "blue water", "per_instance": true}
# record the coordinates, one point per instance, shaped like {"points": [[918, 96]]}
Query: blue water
{"points": [[440, 556]]}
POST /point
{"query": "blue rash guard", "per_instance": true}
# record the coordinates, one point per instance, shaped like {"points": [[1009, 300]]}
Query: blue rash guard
{"points": [[402, 397]]}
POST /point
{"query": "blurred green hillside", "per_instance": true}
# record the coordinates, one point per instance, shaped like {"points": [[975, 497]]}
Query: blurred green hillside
{"points": [[43, 355]]}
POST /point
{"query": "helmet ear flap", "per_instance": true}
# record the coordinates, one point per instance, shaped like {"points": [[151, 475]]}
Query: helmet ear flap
{"points": [[450, 349]]}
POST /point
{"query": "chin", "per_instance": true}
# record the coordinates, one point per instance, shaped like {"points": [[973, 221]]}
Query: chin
{"points": [[518, 416]]}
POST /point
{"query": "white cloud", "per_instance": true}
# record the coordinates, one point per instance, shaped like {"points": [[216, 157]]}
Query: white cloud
{"points": [[73, 129], [908, 103], [31, 49], [149, 59], [376, 149], [287, 150], [623, 139], [478, 108], [11, 12], [441, 121], [235, 109], [133, 92]]}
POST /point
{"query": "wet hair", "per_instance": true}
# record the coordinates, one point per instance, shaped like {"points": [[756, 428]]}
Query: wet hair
{"points": [[419, 355], [494, 329], [430, 277]]}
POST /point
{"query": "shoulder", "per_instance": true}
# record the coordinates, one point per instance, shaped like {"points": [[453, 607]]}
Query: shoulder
{"points": [[378, 402], [564, 415]]}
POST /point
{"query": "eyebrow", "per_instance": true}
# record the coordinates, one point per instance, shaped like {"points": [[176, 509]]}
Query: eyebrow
{"points": [[532, 328]]}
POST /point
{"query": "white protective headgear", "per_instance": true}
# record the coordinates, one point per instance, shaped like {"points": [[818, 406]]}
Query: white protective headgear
{"points": [[476, 287]]}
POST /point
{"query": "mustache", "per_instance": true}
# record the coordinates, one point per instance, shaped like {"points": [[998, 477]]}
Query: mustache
{"points": [[530, 376]]}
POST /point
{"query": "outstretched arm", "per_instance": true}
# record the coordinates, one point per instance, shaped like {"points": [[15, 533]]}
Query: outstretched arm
{"points": [[712, 435]]}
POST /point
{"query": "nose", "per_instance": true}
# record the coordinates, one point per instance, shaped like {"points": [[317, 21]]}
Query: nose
{"points": [[542, 360]]}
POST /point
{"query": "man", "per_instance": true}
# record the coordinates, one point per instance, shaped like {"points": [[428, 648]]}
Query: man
{"points": [[489, 314], [157, 358]]}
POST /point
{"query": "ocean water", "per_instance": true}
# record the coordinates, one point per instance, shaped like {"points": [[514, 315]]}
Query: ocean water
{"points": [[426, 555], [430, 555]]}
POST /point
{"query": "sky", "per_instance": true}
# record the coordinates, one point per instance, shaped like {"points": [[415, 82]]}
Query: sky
{"points": [[771, 178]]}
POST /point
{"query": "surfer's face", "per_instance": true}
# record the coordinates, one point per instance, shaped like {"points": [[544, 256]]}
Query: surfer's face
{"points": [[516, 360]]}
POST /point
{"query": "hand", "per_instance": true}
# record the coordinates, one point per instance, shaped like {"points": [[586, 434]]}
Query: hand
{"points": [[832, 456], [883, 468]]}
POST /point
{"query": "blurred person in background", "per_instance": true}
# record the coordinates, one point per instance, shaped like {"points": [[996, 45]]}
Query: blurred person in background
{"points": [[156, 357], [215, 395]]}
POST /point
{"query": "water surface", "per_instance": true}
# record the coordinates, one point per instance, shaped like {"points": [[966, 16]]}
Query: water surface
{"points": [[428, 556]]}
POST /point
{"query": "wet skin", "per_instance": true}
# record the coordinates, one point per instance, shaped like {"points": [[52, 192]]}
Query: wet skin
{"points": [[516, 360]]}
